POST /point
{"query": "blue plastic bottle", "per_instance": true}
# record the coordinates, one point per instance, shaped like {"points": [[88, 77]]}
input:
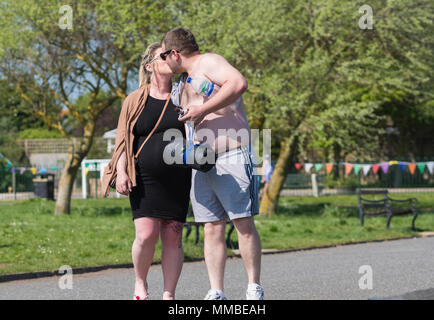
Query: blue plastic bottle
{"points": [[202, 86]]}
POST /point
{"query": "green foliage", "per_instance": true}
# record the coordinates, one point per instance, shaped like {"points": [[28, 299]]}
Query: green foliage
{"points": [[312, 72]]}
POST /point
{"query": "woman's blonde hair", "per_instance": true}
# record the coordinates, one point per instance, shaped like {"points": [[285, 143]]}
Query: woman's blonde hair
{"points": [[145, 75]]}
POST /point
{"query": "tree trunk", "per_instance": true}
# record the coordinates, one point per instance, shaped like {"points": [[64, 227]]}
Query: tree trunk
{"points": [[66, 183], [271, 195]]}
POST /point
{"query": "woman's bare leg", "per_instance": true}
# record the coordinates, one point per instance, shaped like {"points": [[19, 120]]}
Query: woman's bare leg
{"points": [[172, 256], [147, 232]]}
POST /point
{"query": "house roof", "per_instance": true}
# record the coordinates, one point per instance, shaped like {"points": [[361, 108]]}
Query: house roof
{"points": [[110, 134]]}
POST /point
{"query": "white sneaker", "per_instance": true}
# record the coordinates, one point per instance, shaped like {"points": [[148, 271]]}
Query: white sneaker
{"points": [[255, 292], [215, 295]]}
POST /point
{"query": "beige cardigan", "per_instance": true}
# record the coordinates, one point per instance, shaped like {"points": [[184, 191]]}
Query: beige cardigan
{"points": [[131, 109]]}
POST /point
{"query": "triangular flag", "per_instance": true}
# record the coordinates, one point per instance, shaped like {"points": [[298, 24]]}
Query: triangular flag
{"points": [[366, 168], [318, 167], [86, 171], [33, 170], [298, 166], [13, 170], [357, 168], [54, 168], [421, 167], [308, 166], [375, 168], [412, 167], [22, 170], [402, 166], [87, 165], [348, 168], [430, 166], [43, 170], [329, 167], [391, 163], [385, 167]]}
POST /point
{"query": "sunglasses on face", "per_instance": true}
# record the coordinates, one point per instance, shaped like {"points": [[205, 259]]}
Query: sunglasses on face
{"points": [[164, 55]]}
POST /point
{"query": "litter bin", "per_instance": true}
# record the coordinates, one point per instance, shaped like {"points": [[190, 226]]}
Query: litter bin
{"points": [[44, 185]]}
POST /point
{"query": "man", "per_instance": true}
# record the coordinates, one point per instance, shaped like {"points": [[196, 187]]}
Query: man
{"points": [[230, 189]]}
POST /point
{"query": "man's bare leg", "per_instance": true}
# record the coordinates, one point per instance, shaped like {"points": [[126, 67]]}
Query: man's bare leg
{"points": [[250, 247], [215, 253]]}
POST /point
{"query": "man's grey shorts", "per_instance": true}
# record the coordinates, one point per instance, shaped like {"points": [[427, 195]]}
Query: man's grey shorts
{"points": [[229, 190]]}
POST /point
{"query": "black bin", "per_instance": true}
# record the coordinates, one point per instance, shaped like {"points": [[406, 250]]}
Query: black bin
{"points": [[44, 185]]}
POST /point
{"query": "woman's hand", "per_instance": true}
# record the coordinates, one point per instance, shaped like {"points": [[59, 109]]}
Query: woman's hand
{"points": [[123, 184]]}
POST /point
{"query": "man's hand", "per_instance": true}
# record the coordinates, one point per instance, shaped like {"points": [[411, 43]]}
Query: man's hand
{"points": [[123, 184], [193, 113]]}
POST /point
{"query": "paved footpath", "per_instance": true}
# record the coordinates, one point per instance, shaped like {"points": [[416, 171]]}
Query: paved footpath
{"points": [[398, 267]]}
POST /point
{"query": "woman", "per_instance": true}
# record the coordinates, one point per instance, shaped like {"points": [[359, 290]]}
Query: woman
{"points": [[159, 197]]}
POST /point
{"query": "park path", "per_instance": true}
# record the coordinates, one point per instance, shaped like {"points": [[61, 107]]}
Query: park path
{"points": [[398, 267]]}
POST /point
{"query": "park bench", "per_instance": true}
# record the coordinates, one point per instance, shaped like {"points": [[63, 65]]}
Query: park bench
{"points": [[384, 206], [190, 224]]}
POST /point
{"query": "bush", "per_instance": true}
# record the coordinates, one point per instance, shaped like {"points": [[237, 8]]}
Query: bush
{"points": [[39, 133], [343, 182]]}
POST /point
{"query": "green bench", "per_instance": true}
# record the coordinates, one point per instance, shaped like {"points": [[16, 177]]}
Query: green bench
{"points": [[384, 206]]}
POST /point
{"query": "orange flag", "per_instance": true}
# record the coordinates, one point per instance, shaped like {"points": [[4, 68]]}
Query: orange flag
{"points": [[412, 167], [329, 167], [348, 168]]}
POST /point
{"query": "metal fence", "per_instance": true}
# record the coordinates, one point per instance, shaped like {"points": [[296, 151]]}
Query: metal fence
{"points": [[395, 180], [16, 183]]}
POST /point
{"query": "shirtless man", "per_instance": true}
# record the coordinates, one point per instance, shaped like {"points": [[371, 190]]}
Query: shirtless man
{"points": [[230, 189]]}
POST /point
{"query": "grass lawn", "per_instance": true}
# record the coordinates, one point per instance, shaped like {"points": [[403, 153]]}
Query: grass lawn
{"points": [[100, 232]]}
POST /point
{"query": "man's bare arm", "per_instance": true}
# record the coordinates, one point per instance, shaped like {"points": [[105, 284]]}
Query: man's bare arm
{"points": [[231, 82]]}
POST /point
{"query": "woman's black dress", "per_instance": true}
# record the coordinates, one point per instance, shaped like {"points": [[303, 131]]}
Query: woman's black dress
{"points": [[162, 191]]}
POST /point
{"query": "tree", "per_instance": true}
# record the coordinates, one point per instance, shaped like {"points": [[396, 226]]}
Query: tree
{"points": [[98, 57], [314, 74]]}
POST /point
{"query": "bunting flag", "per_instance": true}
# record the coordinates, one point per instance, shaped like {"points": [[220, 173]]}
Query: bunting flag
{"points": [[22, 170], [43, 170], [366, 168], [13, 170], [402, 166], [412, 167], [385, 167], [329, 167], [87, 165], [86, 171], [348, 168], [33, 170], [357, 168], [54, 168], [430, 166]]}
